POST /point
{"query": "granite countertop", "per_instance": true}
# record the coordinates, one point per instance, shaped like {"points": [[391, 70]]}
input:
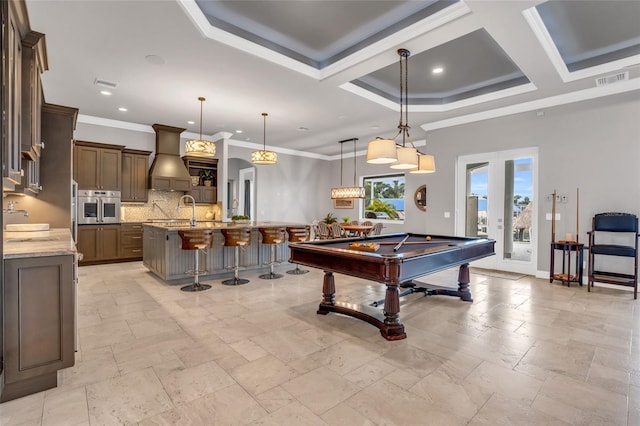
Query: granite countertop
{"points": [[54, 242], [184, 225]]}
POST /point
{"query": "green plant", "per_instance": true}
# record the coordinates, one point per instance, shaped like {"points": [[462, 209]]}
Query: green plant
{"points": [[346, 219], [240, 217], [329, 219], [381, 206], [207, 175]]}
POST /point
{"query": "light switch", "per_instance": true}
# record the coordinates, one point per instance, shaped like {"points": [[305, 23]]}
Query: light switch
{"points": [[447, 215]]}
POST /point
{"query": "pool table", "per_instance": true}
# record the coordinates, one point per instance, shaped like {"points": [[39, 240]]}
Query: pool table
{"points": [[393, 264]]}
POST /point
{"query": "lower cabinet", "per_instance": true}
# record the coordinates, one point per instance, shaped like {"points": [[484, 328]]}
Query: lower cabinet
{"points": [[131, 241], [98, 243], [38, 323]]}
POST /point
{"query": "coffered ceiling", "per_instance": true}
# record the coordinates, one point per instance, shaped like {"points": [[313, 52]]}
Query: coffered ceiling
{"points": [[328, 70]]}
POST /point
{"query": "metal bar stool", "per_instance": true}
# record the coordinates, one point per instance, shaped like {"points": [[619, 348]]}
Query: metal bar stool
{"points": [[197, 240], [236, 238], [298, 234], [272, 235]]}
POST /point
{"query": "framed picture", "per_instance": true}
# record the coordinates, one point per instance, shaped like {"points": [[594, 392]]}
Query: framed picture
{"points": [[343, 203]]}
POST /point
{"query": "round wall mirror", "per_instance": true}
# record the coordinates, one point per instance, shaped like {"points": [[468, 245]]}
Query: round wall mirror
{"points": [[420, 198]]}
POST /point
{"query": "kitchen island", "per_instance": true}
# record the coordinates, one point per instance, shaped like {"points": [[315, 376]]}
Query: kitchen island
{"points": [[162, 253], [39, 305]]}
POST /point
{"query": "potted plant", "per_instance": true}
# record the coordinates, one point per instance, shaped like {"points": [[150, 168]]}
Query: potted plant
{"points": [[329, 219], [346, 219], [240, 219], [207, 177]]}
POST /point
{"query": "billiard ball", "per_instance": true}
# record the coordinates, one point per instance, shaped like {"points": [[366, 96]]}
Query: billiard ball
{"points": [[428, 238]]}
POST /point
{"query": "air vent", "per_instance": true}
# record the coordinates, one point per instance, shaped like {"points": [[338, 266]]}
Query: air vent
{"points": [[613, 78], [105, 83]]}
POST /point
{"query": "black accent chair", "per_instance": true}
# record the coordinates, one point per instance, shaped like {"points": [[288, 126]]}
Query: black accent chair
{"points": [[607, 239]]}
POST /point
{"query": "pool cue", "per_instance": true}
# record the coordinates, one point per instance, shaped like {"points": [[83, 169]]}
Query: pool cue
{"points": [[396, 248], [553, 218], [413, 242], [577, 215]]}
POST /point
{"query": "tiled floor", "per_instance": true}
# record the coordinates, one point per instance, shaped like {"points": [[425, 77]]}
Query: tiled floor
{"points": [[525, 352]]}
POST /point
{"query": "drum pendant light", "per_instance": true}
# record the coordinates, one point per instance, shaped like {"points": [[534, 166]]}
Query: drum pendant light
{"points": [[263, 156], [200, 147]]}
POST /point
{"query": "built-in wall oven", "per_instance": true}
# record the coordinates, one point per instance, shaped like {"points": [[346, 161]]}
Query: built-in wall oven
{"points": [[98, 207]]}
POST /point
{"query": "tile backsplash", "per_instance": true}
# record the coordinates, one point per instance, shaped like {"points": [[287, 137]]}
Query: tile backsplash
{"points": [[163, 205]]}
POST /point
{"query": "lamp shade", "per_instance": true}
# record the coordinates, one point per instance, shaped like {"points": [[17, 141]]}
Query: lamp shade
{"points": [[200, 148], [264, 157], [347, 192], [426, 164], [381, 151], [407, 158]]}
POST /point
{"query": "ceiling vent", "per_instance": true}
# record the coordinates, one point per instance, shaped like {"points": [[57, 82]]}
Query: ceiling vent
{"points": [[613, 78], [105, 83]]}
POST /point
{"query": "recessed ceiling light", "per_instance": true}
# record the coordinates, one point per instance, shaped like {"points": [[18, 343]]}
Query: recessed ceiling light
{"points": [[238, 131], [105, 92], [248, 139], [437, 70], [191, 122], [155, 59], [302, 129], [123, 109]]}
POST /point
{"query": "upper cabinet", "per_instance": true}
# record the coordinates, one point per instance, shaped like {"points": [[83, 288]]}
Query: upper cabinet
{"points": [[34, 63], [204, 178], [14, 27], [135, 175], [97, 166]]}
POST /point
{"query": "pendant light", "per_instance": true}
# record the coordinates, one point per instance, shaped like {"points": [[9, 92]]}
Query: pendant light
{"points": [[263, 156], [401, 156], [348, 192], [200, 147]]}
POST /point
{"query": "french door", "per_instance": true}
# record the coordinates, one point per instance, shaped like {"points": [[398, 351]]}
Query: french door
{"points": [[496, 197]]}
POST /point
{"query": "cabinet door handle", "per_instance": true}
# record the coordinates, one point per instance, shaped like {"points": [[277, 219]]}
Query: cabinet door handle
{"points": [[136, 238]]}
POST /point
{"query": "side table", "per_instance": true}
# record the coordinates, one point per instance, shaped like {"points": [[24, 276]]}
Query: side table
{"points": [[566, 276]]}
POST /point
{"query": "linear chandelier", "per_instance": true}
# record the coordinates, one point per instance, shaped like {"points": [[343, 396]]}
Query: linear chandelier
{"points": [[263, 156], [348, 192], [200, 147], [387, 151]]}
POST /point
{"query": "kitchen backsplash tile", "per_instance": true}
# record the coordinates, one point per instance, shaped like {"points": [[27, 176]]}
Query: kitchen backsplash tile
{"points": [[163, 205]]}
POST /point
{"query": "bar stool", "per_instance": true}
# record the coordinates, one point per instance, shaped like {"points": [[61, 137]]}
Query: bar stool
{"points": [[197, 240], [298, 234], [236, 238], [272, 236]]}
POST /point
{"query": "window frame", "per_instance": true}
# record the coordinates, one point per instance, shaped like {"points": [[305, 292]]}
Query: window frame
{"points": [[379, 177]]}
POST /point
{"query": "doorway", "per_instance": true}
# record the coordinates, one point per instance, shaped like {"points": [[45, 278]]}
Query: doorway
{"points": [[496, 197], [246, 192]]}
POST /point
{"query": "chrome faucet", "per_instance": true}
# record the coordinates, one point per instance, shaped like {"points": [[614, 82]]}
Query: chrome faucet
{"points": [[193, 209]]}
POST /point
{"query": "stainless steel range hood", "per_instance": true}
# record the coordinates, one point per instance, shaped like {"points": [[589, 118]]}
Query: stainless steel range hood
{"points": [[168, 171]]}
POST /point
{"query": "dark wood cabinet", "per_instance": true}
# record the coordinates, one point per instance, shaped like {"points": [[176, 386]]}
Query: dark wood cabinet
{"points": [[98, 166], [98, 243], [131, 241], [204, 177], [135, 175], [39, 323], [14, 27], [34, 63]]}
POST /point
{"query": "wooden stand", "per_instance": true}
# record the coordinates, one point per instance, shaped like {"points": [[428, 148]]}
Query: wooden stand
{"points": [[567, 276]]}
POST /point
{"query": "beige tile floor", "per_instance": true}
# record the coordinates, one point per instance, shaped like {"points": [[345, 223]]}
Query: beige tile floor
{"points": [[526, 352]]}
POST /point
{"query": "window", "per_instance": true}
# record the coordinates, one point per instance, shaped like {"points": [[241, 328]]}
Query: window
{"points": [[384, 197]]}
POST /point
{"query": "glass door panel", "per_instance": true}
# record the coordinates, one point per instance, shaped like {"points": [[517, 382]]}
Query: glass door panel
{"points": [[495, 198]]}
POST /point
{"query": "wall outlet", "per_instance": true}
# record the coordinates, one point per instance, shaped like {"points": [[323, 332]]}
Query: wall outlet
{"points": [[447, 215]]}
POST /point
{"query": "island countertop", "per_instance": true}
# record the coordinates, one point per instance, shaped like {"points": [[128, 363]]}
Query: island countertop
{"points": [[54, 242], [184, 224]]}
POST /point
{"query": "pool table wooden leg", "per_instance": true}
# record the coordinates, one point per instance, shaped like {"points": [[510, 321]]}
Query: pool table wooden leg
{"points": [[463, 283], [328, 292]]}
